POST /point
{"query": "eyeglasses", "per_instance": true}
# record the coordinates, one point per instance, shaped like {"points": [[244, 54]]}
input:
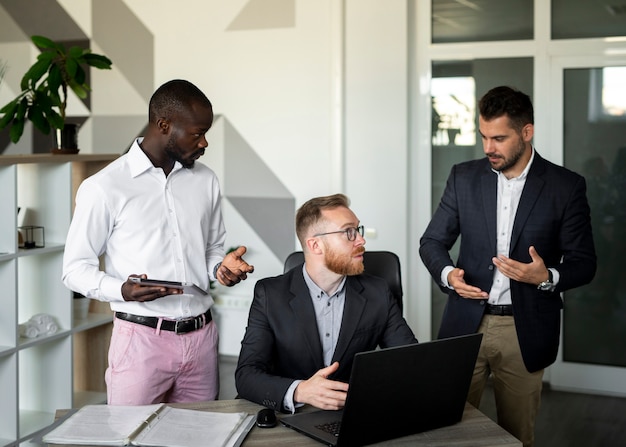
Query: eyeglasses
{"points": [[350, 232]]}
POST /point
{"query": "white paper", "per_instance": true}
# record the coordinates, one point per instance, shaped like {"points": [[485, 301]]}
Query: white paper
{"points": [[101, 425], [150, 425], [190, 428]]}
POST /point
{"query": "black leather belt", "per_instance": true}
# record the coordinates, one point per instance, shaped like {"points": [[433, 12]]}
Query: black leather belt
{"points": [[178, 326], [502, 310]]}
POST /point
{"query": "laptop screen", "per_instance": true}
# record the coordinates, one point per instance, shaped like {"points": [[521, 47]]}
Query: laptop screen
{"points": [[399, 391]]}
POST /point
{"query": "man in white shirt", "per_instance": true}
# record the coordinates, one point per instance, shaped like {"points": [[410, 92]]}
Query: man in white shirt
{"points": [[156, 213]]}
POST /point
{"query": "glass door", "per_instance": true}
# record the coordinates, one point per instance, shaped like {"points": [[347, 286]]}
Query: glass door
{"points": [[589, 131]]}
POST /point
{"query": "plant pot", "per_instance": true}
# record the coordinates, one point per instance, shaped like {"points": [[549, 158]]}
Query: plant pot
{"points": [[66, 139]]}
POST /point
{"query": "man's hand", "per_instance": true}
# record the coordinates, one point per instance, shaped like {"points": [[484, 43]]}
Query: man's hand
{"points": [[457, 282], [321, 392], [132, 291], [234, 269], [531, 273]]}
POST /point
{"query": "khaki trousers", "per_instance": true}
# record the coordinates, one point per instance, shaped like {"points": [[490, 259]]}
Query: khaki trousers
{"points": [[517, 392]]}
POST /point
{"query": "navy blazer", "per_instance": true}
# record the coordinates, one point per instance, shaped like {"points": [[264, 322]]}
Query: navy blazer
{"points": [[282, 342], [553, 215]]}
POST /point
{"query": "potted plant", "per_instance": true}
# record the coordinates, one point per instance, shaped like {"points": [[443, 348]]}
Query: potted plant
{"points": [[43, 99]]}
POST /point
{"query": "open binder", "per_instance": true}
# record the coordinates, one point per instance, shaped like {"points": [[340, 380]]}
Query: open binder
{"points": [[151, 425]]}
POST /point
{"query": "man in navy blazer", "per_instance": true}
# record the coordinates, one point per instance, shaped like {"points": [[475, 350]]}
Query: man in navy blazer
{"points": [[525, 232], [306, 325]]}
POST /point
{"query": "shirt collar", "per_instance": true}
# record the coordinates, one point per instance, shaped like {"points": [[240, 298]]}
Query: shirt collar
{"points": [[524, 173], [314, 289], [139, 162]]}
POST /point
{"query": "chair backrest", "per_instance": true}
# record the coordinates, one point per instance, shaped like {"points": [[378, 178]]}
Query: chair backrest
{"points": [[383, 264]]}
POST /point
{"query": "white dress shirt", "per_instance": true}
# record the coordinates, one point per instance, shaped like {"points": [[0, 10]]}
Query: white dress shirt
{"points": [[141, 221], [509, 195]]}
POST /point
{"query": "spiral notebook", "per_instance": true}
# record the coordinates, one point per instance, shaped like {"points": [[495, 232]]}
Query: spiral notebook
{"points": [[151, 425]]}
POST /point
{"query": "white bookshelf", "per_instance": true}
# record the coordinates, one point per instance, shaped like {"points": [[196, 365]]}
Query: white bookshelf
{"points": [[61, 370]]}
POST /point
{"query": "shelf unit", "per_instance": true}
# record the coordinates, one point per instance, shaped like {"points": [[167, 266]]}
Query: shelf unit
{"points": [[64, 369]]}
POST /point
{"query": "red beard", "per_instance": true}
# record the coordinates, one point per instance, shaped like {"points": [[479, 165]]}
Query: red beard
{"points": [[343, 264]]}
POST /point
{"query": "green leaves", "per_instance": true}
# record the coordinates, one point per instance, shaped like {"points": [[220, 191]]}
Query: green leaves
{"points": [[55, 78], [9, 112], [36, 115], [34, 74], [97, 61], [18, 118], [17, 129], [43, 99], [46, 44]]}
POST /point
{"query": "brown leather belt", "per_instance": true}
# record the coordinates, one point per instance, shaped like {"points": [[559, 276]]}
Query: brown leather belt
{"points": [[178, 326]]}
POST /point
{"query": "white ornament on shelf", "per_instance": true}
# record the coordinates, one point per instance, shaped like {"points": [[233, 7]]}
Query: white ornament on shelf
{"points": [[38, 325]]}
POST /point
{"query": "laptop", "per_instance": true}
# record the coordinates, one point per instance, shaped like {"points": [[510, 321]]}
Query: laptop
{"points": [[397, 392]]}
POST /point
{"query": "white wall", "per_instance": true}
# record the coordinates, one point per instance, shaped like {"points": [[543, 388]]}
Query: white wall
{"points": [[322, 100]]}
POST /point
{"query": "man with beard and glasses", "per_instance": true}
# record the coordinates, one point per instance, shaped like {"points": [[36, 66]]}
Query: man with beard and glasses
{"points": [[306, 325], [525, 230], [156, 213]]}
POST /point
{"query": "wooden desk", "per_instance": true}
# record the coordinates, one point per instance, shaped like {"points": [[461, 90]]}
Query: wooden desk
{"points": [[474, 430]]}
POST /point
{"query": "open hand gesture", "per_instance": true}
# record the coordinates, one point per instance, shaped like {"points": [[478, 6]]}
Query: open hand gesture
{"points": [[233, 268]]}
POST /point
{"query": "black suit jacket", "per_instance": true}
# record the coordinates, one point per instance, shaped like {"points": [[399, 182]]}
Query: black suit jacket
{"points": [[553, 215], [282, 342]]}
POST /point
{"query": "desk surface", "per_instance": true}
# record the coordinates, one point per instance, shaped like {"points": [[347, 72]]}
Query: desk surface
{"points": [[474, 430]]}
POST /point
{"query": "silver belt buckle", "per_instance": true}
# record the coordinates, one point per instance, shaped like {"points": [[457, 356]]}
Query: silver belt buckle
{"points": [[195, 324], [176, 326]]}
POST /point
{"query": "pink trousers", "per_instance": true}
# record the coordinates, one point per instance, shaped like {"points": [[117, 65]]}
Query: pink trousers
{"points": [[148, 366]]}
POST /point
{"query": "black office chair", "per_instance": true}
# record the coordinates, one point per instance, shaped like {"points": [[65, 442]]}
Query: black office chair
{"points": [[383, 264]]}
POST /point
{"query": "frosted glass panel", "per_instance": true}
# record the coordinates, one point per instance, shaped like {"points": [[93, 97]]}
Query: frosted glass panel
{"points": [[481, 20], [588, 18], [594, 324], [455, 90]]}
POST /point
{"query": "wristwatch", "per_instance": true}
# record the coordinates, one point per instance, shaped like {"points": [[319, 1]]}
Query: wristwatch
{"points": [[217, 266], [547, 286]]}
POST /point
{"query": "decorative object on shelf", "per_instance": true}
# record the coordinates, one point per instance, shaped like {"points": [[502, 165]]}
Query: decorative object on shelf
{"points": [[43, 99], [38, 325], [66, 139], [31, 236], [74, 358], [20, 238]]}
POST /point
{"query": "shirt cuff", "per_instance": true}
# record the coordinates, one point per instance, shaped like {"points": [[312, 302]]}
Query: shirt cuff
{"points": [[288, 402], [444, 276], [555, 276], [111, 289]]}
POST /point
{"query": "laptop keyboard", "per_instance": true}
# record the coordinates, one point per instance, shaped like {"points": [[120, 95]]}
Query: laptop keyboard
{"points": [[330, 427]]}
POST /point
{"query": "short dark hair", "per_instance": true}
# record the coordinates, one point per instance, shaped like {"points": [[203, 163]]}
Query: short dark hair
{"points": [[310, 213], [503, 100], [175, 97]]}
